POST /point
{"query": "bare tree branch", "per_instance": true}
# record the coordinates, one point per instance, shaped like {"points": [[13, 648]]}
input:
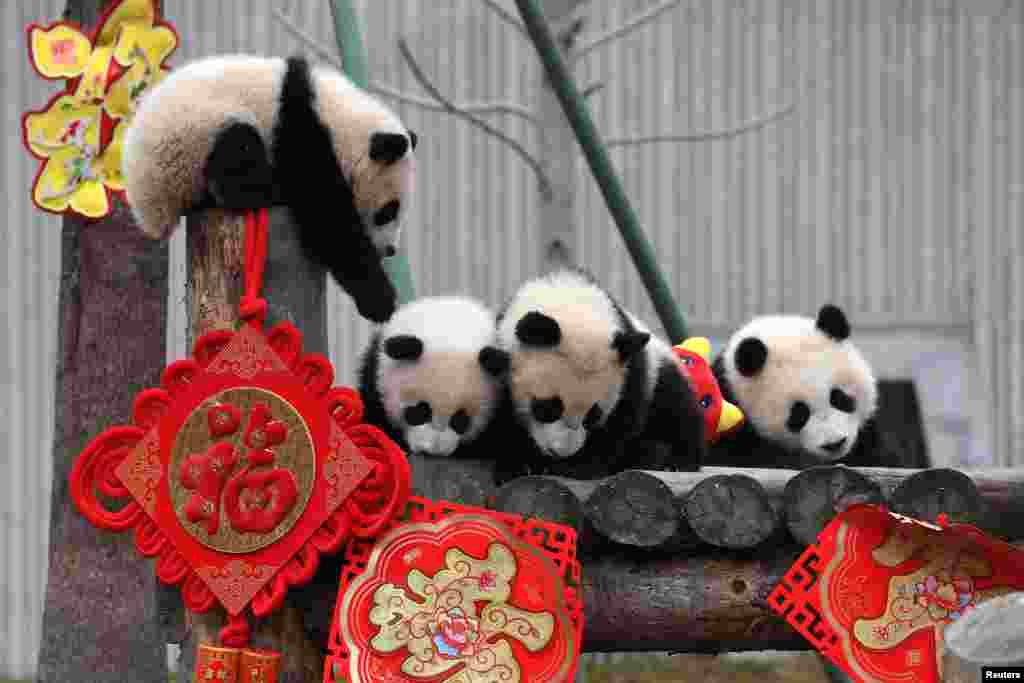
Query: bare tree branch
{"points": [[386, 91], [506, 16], [592, 89], [705, 135], [634, 23], [451, 108]]}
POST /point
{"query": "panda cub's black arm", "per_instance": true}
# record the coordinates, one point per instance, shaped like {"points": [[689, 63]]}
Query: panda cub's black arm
{"points": [[238, 171]]}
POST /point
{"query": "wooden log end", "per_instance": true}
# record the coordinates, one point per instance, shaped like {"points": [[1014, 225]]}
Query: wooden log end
{"points": [[813, 497], [927, 494], [469, 482], [731, 511], [634, 508], [542, 498]]}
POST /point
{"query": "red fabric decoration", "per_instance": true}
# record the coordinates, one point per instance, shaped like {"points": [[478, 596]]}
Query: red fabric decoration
{"points": [[458, 593], [244, 466], [876, 592]]}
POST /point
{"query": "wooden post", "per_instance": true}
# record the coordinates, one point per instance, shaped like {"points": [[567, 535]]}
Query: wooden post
{"points": [[295, 290], [99, 618]]}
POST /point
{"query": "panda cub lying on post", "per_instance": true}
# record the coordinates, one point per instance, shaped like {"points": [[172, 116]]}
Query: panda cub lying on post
{"points": [[807, 393], [592, 391]]}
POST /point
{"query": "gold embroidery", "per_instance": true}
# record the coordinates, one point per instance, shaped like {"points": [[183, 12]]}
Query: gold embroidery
{"points": [[442, 629]]}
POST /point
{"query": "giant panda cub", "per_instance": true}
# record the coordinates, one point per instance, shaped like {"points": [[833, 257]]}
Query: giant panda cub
{"points": [[807, 393], [242, 132], [594, 393], [432, 377]]}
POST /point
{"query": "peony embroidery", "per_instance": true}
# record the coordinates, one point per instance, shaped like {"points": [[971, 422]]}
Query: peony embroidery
{"points": [[441, 628]]}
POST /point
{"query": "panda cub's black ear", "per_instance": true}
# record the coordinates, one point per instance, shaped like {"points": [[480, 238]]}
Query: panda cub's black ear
{"points": [[413, 138], [387, 148], [751, 355], [629, 344], [495, 361], [537, 329], [403, 347], [832, 321]]}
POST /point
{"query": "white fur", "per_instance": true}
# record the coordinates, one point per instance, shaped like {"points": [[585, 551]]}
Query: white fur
{"points": [[583, 369], [803, 364], [448, 375], [171, 135]]}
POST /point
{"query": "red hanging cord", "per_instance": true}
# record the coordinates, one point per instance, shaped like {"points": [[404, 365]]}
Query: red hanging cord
{"points": [[253, 308]]}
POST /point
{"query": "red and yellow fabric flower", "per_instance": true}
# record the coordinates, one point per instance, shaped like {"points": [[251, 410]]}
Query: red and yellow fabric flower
{"points": [[78, 135]]}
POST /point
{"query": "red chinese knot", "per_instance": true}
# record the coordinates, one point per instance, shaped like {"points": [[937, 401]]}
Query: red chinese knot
{"points": [[244, 466]]}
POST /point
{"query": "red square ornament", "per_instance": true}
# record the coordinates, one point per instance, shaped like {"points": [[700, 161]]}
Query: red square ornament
{"points": [[459, 594], [877, 591]]}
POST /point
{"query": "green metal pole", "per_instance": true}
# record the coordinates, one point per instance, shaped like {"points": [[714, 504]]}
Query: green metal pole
{"points": [[354, 63], [601, 166]]}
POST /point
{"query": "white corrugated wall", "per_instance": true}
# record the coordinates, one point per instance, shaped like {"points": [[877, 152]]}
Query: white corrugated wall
{"points": [[893, 188]]}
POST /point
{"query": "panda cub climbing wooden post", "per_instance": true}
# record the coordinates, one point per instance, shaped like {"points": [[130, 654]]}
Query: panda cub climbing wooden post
{"points": [[807, 393], [242, 132], [593, 391]]}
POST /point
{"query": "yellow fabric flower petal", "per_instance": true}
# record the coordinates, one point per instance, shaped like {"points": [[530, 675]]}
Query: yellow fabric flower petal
{"points": [[109, 163], [128, 12], [93, 86], [61, 125], [156, 43], [57, 188], [123, 93], [90, 199], [61, 52]]}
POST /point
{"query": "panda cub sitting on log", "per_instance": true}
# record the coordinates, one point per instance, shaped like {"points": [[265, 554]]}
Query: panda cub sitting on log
{"points": [[808, 395], [591, 390]]}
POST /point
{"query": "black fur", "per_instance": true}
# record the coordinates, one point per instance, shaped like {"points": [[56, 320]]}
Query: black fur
{"points": [[307, 171], [413, 139], [745, 446], [495, 361], [628, 344], [537, 329], [832, 321], [751, 355], [403, 347], [388, 147], [238, 171]]}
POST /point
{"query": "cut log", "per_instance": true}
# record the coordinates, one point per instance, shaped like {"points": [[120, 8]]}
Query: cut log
{"points": [[813, 497], [731, 511], [694, 605], [545, 498], [637, 509], [470, 482], [927, 494], [295, 290]]}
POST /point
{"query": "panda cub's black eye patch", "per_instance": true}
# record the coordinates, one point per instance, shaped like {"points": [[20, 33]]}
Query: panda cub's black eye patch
{"points": [[841, 400], [387, 213], [547, 410], [460, 422], [799, 414], [418, 414]]}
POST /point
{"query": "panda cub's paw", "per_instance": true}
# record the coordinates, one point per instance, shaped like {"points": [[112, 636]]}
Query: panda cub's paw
{"points": [[238, 171]]}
